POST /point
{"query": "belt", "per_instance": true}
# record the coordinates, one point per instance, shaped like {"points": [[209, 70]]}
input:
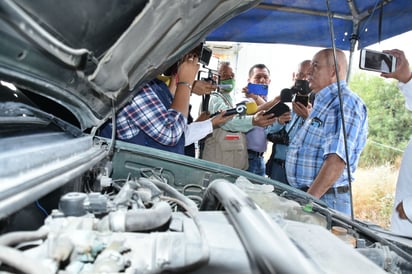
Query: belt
{"points": [[332, 190], [258, 154]]}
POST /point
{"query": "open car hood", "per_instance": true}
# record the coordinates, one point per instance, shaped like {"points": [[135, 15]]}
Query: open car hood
{"points": [[88, 55]]}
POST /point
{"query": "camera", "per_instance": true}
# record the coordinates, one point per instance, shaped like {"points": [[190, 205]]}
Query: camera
{"points": [[205, 56], [281, 137], [204, 53], [300, 87]]}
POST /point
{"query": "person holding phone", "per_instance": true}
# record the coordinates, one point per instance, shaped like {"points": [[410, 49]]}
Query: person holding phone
{"points": [[246, 123], [259, 79], [377, 61], [401, 219], [284, 129], [316, 157], [157, 118]]}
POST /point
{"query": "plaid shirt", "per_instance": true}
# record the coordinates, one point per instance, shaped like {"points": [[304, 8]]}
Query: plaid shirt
{"points": [[146, 112], [322, 134]]}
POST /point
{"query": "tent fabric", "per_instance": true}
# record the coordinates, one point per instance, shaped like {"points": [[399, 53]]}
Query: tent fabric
{"points": [[306, 22]]}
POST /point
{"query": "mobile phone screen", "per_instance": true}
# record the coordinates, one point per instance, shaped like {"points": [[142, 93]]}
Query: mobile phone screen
{"points": [[258, 89], [377, 61]]}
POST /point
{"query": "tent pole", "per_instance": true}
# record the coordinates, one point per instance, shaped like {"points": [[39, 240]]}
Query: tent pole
{"points": [[332, 34], [353, 41]]}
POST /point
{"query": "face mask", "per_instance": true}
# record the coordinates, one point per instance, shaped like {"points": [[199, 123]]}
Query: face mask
{"points": [[228, 82]]}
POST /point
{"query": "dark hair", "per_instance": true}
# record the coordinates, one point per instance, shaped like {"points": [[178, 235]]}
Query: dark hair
{"points": [[258, 66]]}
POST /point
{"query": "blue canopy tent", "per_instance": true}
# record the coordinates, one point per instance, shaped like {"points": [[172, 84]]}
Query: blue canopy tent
{"points": [[344, 24], [307, 22]]}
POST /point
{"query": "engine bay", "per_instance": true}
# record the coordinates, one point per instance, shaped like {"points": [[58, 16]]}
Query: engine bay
{"points": [[141, 224]]}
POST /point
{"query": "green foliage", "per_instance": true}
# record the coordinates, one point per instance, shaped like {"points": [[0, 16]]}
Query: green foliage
{"points": [[389, 121]]}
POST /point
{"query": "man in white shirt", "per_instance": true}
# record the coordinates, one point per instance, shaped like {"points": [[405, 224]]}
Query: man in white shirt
{"points": [[401, 221]]}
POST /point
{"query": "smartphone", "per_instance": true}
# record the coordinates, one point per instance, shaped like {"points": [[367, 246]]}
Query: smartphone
{"points": [[278, 109], [258, 89], [304, 99], [204, 53], [205, 56], [377, 61]]}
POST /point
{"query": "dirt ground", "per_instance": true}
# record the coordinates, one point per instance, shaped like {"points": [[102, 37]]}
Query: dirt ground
{"points": [[373, 193]]}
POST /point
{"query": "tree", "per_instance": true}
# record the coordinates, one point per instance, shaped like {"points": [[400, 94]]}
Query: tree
{"points": [[389, 121]]}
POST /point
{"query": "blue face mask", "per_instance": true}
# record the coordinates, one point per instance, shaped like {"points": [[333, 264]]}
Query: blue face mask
{"points": [[228, 82]]}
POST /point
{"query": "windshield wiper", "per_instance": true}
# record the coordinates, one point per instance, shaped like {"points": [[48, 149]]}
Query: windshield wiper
{"points": [[21, 114]]}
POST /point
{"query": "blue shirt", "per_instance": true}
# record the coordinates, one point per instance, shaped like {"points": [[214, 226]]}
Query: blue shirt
{"points": [[291, 128], [256, 139], [322, 134]]}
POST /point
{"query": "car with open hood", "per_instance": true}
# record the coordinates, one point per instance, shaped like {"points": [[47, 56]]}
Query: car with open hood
{"points": [[74, 202]]}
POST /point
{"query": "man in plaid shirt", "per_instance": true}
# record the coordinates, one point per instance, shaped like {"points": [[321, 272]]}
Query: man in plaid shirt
{"points": [[316, 158]]}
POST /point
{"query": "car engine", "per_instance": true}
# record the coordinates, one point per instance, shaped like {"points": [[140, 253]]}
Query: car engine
{"points": [[143, 225]]}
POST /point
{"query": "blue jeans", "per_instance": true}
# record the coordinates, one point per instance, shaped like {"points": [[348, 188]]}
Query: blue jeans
{"points": [[339, 201], [278, 172], [256, 164]]}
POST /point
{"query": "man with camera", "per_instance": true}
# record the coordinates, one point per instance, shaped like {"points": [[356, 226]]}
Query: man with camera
{"points": [[157, 116], [317, 156], [286, 126]]}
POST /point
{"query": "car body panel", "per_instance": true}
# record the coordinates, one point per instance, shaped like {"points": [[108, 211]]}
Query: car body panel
{"points": [[74, 202], [31, 166], [107, 52]]}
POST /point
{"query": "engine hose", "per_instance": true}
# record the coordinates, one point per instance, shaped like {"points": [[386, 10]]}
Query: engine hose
{"points": [[268, 246], [142, 219], [170, 191], [144, 182], [20, 261], [14, 238], [204, 255]]}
